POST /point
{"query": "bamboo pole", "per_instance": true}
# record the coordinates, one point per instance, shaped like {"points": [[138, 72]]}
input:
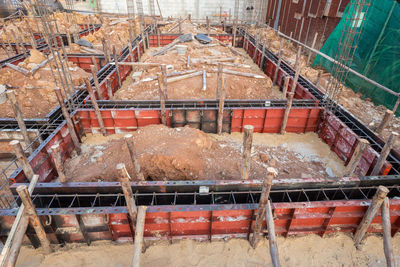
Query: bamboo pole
{"points": [[117, 67], [96, 81], [384, 153], [356, 157], [267, 184], [387, 236], [68, 119], [22, 160], [132, 152], [385, 121], [19, 117], [34, 219], [96, 107], [141, 218], [370, 214], [273, 247], [10, 251], [127, 189], [246, 151], [56, 154], [221, 103], [287, 112]]}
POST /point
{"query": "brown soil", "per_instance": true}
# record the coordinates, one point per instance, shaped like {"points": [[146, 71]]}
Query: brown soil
{"points": [[237, 87], [35, 94], [308, 251], [364, 109], [4, 55], [190, 154], [65, 22], [187, 27]]}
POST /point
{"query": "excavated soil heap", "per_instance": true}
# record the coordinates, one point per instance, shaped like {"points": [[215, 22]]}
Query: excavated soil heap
{"points": [[309, 251], [187, 27], [190, 154], [237, 87], [35, 94]]}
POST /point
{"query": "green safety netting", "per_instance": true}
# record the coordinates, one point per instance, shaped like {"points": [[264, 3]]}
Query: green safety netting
{"points": [[377, 54]]}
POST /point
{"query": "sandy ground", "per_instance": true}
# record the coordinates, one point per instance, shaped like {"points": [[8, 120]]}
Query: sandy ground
{"points": [[187, 27], [307, 251], [190, 154]]}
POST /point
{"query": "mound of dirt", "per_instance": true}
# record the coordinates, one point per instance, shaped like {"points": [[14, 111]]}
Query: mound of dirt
{"points": [[187, 154]]}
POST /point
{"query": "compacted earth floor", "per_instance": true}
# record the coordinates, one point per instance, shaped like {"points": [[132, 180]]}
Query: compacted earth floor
{"points": [[309, 251], [189, 154]]}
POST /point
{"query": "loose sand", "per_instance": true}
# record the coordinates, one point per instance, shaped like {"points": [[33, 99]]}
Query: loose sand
{"points": [[189, 154], [310, 250]]}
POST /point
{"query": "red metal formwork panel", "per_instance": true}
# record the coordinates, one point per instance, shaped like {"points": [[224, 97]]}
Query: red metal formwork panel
{"points": [[68, 225], [273, 120], [236, 221], [96, 226], [147, 117], [120, 227], [190, 223]]}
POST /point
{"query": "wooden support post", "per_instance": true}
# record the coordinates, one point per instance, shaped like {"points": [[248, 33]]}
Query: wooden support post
{"points": [[356, 157], [262, 56], [387, 237], [109, 89], [138, 49], [96, 81], [130, 51], [127, 189], [273, 246], [22, 160], [255, 49], [96, 107], [10, 251], [384, 153], [219, 80], [158, 38], [162, 90], [56, 154], [18, 117], [105, 50], [69, 40], [297, 69], [164, 77], [285, 87], [68, 119], [312, 47], [385, 121], [267, 184], [287, 112], [234, 33], [147, 40], [370, 214], [208, 26], [23, 192], [246, 151], [132, 152], [318, 78], [278, 65], [138, 245], [221, 104], [117, 67]]}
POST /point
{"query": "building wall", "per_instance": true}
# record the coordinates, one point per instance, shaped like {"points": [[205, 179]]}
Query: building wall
{"points": [[305, 18]]}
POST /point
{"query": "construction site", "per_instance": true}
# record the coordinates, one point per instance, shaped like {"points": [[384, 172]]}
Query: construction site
{"points": [[199, 133]]}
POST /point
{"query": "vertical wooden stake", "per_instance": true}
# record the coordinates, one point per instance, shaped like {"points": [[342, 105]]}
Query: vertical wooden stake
{"points": [[117, 66], [287, 112], [262, 56], [246, 151], [219, 80], [370, 214], [234, 33], [273, 247], [278, 65], [69, 38], [109, 89], [285, 87], [94, 63], [132, 152], [19, 117], [384, 153], [22, 160], [385, 121], [127, 189], [164, 80], [141, 218], [70, 124], [208, 26], [131, 51], [221, 108], [105, 50], [22, 191], [161, 90], [96, 81], [96, 107], [318, 78], [356, 158], [297, 69], [56, 154], [158, 37], [138, 49], [387, 236], [312, 46], [267, 184]]}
